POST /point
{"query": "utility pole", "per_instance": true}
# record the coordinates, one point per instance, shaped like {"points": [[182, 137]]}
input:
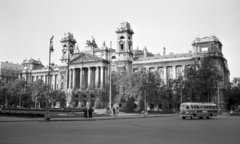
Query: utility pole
{"points": [[47, 116], [218, 95], [110, 77], [145, 100]]}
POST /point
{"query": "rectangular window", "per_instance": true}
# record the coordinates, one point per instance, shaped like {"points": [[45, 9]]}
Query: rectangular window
{"points": [[205, 49]]}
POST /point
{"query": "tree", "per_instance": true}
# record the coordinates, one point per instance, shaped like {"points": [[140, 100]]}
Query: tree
{"points": [[133, 86], [233, 93], [201, 79], [115, 76], [178, 87], [58, 96], [39, 91], [19, 87], [15, 91]]}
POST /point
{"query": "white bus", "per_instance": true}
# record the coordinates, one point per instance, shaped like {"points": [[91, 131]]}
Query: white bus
{"points": [[200, 110]]}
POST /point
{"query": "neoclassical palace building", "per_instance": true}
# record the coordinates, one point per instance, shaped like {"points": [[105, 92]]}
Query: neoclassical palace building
{"points": [[87, 70]]}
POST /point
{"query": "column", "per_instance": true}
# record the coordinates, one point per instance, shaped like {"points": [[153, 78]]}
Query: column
{"points": [[101, 77], [73, 80], [183, 68], [165, 74], [106, 76], [89, 77], [96, 77], [81, 73], [174, 71], [93, 78], [70, 78], [44, 79], [55, 82], [67, 80]]}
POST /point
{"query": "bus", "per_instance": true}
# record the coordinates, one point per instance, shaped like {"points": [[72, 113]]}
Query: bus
{"points": [[198, 110]]}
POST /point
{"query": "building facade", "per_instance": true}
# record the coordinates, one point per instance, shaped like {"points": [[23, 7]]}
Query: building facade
{"points": [[8, 72], [84, 74]]}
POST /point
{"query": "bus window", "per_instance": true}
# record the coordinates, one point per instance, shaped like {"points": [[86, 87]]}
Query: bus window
{"points": [[197, 107], [182, 107], [192, 107], [187, 107]]}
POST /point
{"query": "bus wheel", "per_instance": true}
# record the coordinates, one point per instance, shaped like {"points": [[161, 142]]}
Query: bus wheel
{"points": [[210, 116], [183, 117], [200, 117]]}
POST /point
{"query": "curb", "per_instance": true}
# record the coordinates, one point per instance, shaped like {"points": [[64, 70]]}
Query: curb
{"points": [[93, 119], [109, 118]]}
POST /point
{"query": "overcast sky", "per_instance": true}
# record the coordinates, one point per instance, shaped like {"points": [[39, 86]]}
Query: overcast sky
{"points": [[27, 25]]}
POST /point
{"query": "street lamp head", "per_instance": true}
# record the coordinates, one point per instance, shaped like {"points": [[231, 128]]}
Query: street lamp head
{"points": [[51, 49]]}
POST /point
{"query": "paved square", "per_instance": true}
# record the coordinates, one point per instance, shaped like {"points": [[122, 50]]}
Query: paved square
{"points": [[169, 130]]}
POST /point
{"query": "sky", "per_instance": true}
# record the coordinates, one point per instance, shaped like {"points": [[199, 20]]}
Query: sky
{"points": [[26, 26]]}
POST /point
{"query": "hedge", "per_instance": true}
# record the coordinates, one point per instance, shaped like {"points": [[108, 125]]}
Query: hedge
{"points": [[21, 114], [50, 109]]}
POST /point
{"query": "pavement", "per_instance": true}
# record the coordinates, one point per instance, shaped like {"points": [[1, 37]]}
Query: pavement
{"points": [[96, 117]]}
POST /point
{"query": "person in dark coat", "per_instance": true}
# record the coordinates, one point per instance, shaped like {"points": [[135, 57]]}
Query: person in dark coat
{"points": [[85, 112], [90, 111], [114, 111]]}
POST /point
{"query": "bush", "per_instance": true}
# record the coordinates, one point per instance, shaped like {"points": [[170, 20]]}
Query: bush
{"points": [[50, 109], [129, 105], [141, 105], [22, 114], [97, 104], [165, 106]]}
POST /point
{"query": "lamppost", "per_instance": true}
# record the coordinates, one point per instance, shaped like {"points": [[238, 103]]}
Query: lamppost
{"points": [[218, 95], [110, 79], [20, 97], [47, 116], [145, 101], [6, 101], [110, 75]]}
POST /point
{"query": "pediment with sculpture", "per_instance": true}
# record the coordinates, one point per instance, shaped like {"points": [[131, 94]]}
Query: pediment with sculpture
{"points": [[85, 58]]}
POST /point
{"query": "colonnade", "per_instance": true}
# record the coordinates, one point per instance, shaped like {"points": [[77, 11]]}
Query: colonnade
{"points": [[53, 77], [166, 72], [86, 77]]}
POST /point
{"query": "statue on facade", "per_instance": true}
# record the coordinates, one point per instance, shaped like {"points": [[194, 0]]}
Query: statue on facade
{"points": [[91, 43], [145, 52]]}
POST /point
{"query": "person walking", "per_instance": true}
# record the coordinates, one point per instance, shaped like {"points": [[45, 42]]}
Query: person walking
{"points": [[90, 111], [114, 111], [117, 111], [85, 112]]}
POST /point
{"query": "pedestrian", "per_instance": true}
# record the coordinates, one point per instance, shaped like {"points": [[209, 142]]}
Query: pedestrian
{"points": [[90, 111], [85, 112], [114, 111], [117, 111], [108, 111]]}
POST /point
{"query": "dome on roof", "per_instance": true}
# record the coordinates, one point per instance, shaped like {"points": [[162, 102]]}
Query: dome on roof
{"points": [[214, 38]]}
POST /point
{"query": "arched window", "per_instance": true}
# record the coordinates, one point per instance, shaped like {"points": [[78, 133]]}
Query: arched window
{"points": [[62, 85], [122, 37], [122, 47]]}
